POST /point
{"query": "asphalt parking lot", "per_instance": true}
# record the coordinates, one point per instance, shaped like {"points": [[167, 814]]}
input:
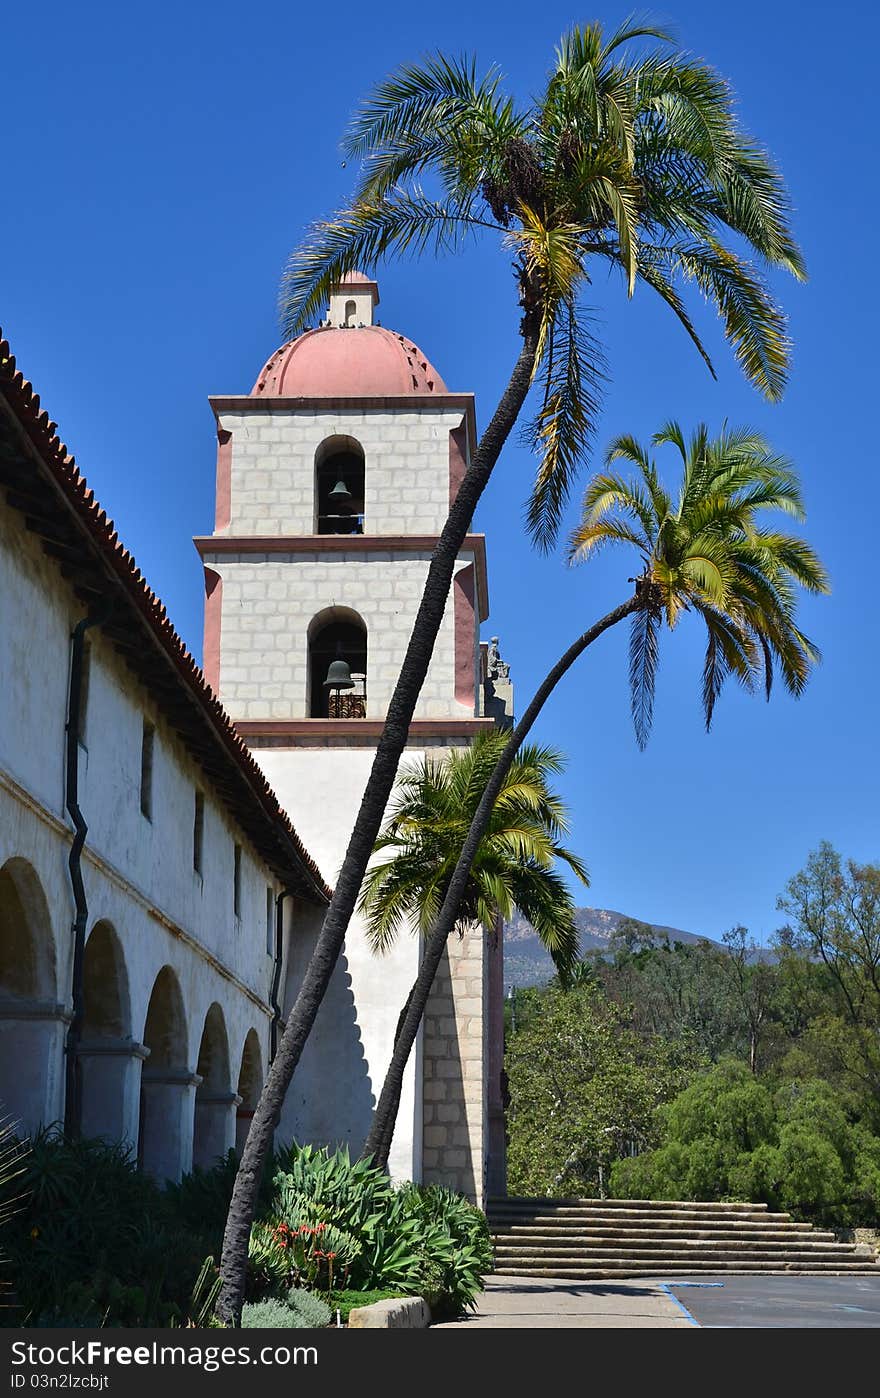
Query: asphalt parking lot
{"points": [[768, 1303]]}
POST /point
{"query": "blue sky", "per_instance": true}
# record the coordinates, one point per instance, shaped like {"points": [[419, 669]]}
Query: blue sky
{"points": [[159, 163]]}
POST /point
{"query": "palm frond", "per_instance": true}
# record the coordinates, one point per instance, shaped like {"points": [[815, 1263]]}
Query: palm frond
{"points": [[729, 650], [651, 273], [562, 430], [404, 221], [429, 818], [753, 323], [644, 657]]}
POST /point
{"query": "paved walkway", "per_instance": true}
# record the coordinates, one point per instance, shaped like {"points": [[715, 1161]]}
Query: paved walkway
{"points": [[524, 1303]]}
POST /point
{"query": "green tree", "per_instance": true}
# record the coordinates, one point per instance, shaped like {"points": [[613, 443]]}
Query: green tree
{"points": [[730, 1135], [630, 935], [835, 918], [583, 1089], [704, 551], [753, 981], [629, 160], [673, 989]]}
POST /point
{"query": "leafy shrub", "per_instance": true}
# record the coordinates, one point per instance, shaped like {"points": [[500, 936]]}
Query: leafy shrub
{"points": [[728, 1135], [312, 1311], [331, 1222], [95, 1238], [456, 1246], [302, 1310], [95, 1241], [267, 1315]]}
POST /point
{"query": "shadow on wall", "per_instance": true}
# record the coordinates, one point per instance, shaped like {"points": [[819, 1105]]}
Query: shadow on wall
{"points": [[448, 1151], [330, 1101]]}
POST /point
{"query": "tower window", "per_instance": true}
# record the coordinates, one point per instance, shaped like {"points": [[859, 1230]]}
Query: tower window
{"points": [[198, 831], [236, 881], [339, 487], [147, 743], [338, 665], [350, 313]]}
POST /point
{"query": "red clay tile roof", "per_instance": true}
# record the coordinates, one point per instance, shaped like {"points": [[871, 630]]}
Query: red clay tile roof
{"points": [[46, 486]]}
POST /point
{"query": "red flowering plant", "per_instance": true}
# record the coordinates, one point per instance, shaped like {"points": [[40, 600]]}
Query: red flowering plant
{"points": [[316, 1255]]}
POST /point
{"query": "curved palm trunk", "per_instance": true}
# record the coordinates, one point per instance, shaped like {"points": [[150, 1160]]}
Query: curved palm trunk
{"points": [[372, 809], [378, 1143]]}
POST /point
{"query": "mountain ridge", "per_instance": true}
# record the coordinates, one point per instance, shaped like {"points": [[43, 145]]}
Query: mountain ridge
{"points": [[527, 963]]}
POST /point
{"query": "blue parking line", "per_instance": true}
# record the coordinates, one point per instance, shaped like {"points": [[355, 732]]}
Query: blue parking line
{"points": [[667, 1287]]}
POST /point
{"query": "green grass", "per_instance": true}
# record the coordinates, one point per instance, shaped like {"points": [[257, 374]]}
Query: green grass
{"points": [[345, 1301]]}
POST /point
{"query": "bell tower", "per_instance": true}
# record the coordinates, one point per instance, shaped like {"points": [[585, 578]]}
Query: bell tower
{"points": [[334, 479]]}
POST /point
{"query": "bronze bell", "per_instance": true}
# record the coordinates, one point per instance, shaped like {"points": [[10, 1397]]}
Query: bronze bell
{"points": [[339, 675], [340, 494]]}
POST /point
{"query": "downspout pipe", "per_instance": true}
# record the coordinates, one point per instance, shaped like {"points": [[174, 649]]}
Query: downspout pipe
{"points": [[276, 971], [97, 616]]}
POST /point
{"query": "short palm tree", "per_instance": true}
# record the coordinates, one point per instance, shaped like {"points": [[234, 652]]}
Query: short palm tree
{"points": [[515, 863], [515, 866], [629, 160], [704, 551]]}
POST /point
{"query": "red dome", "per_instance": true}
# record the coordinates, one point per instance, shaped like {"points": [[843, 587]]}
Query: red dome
{"points": [[364, 361]]}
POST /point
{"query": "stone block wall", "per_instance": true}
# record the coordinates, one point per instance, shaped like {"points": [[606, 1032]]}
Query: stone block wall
{"points": [[454, 1066], [406, 459], [270, 601]]}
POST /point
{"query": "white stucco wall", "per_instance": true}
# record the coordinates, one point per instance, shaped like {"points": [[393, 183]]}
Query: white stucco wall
{"points": [[406, 456], [138, 872], [343, 1067]]}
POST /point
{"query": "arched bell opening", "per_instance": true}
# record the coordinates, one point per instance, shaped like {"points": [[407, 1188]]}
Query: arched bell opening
{"points": [[339, 486], [338, 665]]}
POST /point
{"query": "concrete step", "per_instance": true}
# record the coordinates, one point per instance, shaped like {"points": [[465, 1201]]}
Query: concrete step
{"points": [[661, 1249], [612, 1223], [575, 1237], [602, 1272], [674, 1256], [604, 1238], [570, 1216], [710, 1206]]}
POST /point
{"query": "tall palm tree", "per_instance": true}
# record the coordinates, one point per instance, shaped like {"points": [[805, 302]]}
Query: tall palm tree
{"points": [[630, 159], [705, 552]]}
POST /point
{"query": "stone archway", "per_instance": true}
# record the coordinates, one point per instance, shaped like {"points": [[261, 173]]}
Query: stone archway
{"points": [[33, 1023], [214, 1125], [250, 1085], [108, 1062], [167, 1084]]}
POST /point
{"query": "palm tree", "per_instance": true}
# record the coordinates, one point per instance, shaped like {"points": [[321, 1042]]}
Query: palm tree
{"points": [[630, 159], [704, 552], [514, 866]]}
